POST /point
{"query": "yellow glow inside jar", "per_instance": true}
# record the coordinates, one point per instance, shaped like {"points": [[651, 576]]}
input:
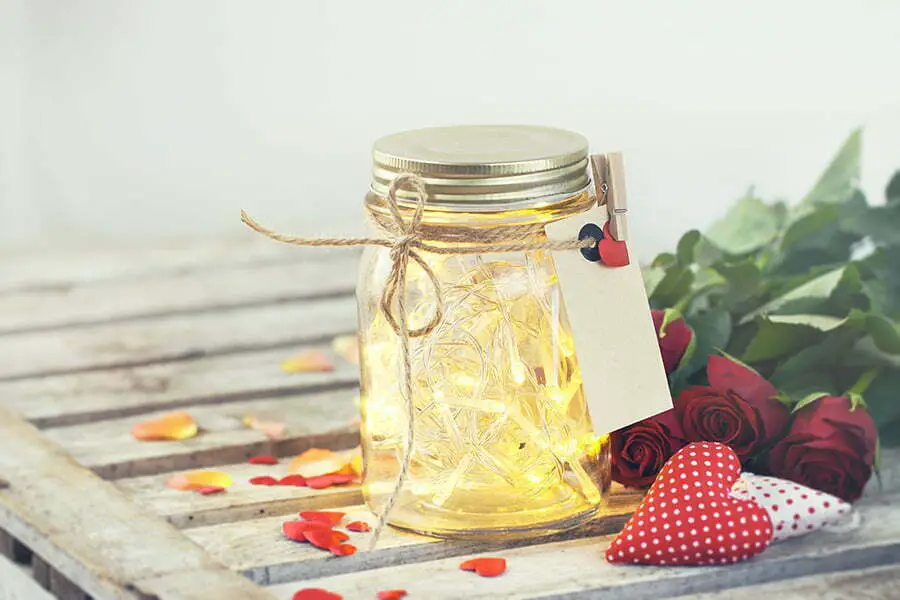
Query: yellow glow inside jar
{"points": [[503, 439]]}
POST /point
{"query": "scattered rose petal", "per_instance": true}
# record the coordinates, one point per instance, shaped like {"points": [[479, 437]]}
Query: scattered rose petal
{"points": [[296, 530], [310, 361], [391, 594], [326, 539], [295, 480], [486, 567], [273, 430], [315, 594], [316, 462], [339, 535], [263, 480], [358, 526], [343, 550], [263, 460], [356, 463], [347, 347], [208, 490], [332, 518], [194, 480], [173, 426]]}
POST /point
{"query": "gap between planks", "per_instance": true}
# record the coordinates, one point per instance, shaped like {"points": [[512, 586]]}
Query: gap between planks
{"points": [[177, 293], [258, 549], [576, 570], [324, 420], [96, 538], [175, 338], [92, 396]]}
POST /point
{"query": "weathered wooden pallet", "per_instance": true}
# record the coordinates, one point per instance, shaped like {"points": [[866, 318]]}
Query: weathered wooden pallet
{"points": [[92, 342]]}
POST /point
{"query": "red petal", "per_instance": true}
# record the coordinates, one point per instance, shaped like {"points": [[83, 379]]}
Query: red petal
{"points": [[316, 594], [322, 538], [724, 374], [340, 478], [210, 489], [468, 565], [295, 480], [319, 483], [358, 526], [343, 550], [263, 460], [490, 567], [486, 567], [263, 480], [391, 594], [296, 530], [332, 518], [339, 535]]}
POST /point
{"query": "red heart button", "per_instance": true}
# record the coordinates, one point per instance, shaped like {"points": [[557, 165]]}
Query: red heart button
{"points": [[689, 517], [613, 253]]}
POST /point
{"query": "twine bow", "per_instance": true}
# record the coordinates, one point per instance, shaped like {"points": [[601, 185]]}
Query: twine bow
{"points": [[405, 242]]}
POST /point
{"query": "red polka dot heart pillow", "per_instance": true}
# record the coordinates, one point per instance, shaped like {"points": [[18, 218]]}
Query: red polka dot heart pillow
{"points": [[689, 516]]}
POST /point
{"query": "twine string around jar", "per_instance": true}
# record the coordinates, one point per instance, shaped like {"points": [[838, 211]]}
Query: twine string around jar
{"points": [[405, 241]]}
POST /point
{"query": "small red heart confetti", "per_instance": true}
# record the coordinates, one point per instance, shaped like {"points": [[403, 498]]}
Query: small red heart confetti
{"points": [[793, 508], [263, 460], [343, 550], [296, 530], [263, 480], [391, 594], [332, 518], [689, 517], [207, 490], [315, 594], [613, 253], [358, 526], [486, 567], [295, 480]]}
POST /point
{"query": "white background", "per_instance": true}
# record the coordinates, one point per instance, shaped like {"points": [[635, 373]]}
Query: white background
{"points": [[138, 121]]}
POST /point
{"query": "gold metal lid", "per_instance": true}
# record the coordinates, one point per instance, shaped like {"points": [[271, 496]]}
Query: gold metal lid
{"points": [[484, 167]]}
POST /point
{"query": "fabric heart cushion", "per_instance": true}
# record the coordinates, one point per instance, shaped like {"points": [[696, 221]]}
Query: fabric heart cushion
{"points": [[689, 516], [794, 509]]}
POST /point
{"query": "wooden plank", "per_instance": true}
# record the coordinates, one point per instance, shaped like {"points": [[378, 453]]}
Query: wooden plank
{"points": [[107, 447], [576, 569], [63, 267], [176, 337], [89, 531], [880, 583], [94, 395], [16, 583], [170, 293], [242, 500], [259, 550]]}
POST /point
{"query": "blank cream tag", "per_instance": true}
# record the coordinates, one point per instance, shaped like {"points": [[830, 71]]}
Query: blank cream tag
{"points": [[621, 367]]}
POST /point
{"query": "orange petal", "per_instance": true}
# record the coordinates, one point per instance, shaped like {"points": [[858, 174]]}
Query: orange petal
{"points": [[347, 347], [195, 480], [356, 462], [316, 462], [174, 426], [311, 361]]}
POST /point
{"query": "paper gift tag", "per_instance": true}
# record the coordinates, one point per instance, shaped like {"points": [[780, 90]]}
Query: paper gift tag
{"points": [[618, 352]]}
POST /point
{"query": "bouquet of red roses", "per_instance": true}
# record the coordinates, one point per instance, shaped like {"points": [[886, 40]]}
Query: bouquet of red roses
{"points": [[778, 329]]}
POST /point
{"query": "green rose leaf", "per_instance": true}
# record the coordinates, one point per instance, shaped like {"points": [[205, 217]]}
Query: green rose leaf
{"points": [[778, 336], [884, 333], [883, 397], [686, 245], [712, 330], [892, 193], [820, 288], [841, 178], [809, 399], [749, 225]]}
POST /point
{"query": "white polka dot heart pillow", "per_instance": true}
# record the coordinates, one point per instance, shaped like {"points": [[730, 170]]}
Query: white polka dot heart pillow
{"points": [[794, 509], [689, 516]]}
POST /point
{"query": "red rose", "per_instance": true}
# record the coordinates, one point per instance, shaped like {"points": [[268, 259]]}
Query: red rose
{"points": [[673, 340], [639, 451], [830, 447], [737, 408]]}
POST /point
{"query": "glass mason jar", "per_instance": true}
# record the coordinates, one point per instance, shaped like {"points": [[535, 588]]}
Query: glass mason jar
{"points": [[503, 440]]}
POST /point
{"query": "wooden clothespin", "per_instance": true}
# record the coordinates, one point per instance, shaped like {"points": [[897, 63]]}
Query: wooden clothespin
{"points": [[609, 179]]}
